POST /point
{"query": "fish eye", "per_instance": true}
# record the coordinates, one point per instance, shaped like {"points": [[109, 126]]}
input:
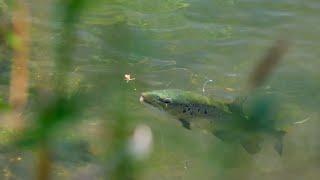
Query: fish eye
{"points": [[165, 100]]}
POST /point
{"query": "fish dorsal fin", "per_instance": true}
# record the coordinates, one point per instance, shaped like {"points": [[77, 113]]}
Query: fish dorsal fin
{"points": [[260, 73], [236, 106]]}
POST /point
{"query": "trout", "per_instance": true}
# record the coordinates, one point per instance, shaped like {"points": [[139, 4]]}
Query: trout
{"points": [[225, 120]]}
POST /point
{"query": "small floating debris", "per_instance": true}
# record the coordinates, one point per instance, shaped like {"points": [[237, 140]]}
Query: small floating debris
{"points": [[127, 77], [232, 75], [186, 164], [204, 85], [302, 121], [15, 159], [229, 89]]}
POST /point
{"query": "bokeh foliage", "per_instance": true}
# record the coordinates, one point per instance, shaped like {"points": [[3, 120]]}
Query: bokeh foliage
{"points": [[81, 113]]}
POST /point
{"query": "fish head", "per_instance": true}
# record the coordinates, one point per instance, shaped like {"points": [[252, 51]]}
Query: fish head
{"points": [[173, 101], [161, 99]]}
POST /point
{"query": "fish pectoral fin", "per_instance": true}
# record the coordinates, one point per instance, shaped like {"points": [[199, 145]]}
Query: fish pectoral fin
{"points": [[223, 135], [186, 124], [251, 145]]}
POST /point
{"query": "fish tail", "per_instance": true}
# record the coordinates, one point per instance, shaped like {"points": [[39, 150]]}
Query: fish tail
{"points": [[251, 144], [278, 145]]}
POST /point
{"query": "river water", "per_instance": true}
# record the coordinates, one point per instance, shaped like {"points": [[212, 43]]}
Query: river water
{"points": [[182, 44]]}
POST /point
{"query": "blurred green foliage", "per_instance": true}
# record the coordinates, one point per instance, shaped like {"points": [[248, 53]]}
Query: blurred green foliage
{"points": [[82, 110], [5, 50]]}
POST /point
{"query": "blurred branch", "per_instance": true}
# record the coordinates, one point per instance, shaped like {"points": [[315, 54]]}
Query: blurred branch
{"points": [[267, 64], [19, 69], [44, 162], [17, 37], [57, 109], [70, 12]]}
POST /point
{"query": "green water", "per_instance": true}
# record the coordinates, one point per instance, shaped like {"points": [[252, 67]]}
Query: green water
{"points": [[181, 44]]}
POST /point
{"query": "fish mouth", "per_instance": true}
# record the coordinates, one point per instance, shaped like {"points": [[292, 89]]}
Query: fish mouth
{"points": [[143, 98]]}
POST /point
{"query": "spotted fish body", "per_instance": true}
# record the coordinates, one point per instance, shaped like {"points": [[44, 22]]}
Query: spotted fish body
{"points": [[224, 119]]}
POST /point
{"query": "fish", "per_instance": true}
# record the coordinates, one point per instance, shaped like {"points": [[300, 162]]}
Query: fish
{"points": [[224, 119]]}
